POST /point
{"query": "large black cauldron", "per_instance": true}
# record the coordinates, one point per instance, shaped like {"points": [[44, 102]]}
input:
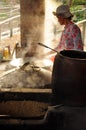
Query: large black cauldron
{"points": [[69, 78]]}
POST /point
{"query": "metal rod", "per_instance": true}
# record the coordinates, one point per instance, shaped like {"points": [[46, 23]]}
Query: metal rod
{"points": [[8, 71], [41, 44]]}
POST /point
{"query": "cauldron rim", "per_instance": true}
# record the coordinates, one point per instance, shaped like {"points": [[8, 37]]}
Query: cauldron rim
{"points": [[73, 54]]}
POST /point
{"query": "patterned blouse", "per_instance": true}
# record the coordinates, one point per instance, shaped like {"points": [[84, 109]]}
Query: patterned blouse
{"points": [[70, 38]]}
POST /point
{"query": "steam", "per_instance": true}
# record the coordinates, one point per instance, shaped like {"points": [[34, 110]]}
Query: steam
{"points": [[51, 24], [31, 77]]}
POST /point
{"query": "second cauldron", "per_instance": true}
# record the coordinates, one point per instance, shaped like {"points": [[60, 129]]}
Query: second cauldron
{"points": [[69, 78]]}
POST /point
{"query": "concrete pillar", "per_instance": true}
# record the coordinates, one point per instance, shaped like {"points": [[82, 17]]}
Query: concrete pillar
{"points": [[32, 23]]}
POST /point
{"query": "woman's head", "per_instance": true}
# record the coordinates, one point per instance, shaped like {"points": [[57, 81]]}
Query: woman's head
{"points": [[63, 14], [63, 11]]}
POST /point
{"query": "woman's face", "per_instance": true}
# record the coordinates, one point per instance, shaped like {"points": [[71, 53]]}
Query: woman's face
{"points": [[61, 20]]}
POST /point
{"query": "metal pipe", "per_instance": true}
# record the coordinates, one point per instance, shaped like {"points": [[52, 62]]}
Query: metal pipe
{"points": [[41, 44]]}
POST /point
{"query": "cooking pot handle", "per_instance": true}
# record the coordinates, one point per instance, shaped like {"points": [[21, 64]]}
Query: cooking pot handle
{"points": [[41, 44]]}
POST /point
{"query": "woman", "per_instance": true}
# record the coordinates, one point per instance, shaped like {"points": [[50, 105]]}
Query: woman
{"points": [[71, 35]]}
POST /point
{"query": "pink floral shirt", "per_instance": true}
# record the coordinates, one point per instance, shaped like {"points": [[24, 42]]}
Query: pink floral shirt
{"points": [[70, 38]]}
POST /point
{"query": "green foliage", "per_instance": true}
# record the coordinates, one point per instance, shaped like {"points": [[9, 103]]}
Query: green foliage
{"points": [[79, 14], [76, 2], [79, 2], [3, 15], [65, 1], [76, 9]]}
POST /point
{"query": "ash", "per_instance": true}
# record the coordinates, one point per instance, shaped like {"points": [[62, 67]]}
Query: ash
{"points": [[27, 77]]}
